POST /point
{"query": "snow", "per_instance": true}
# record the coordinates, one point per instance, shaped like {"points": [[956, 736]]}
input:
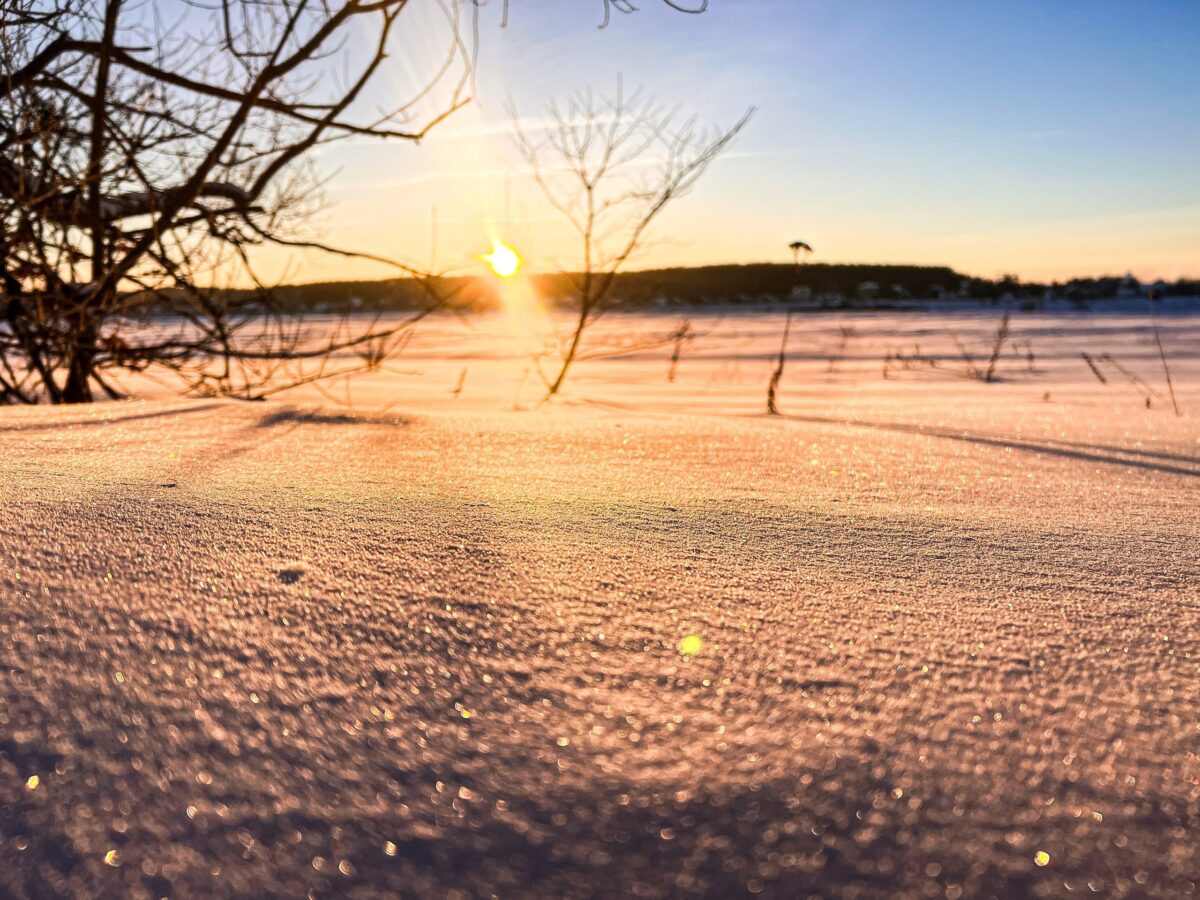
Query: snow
{"points": [[430, 645]]}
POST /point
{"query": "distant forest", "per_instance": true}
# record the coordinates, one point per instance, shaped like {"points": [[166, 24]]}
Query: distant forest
{"points": [[858, 285]]}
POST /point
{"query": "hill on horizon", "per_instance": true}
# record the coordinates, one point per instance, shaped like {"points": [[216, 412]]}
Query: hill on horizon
{"points": [[864, 284], [751, 282]]}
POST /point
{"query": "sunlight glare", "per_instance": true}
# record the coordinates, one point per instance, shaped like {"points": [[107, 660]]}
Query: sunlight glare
{"points": [[503, 259]]}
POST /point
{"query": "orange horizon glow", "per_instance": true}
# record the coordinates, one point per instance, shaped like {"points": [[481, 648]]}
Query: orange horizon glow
{"points": [[984, 172]]}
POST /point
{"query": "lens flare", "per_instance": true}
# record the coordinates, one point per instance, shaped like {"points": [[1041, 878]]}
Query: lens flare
{"points": [[503, 259], [691, 645]]}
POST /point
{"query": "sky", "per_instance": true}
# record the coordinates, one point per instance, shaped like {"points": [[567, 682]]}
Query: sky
{"points": [[1045, 139]]}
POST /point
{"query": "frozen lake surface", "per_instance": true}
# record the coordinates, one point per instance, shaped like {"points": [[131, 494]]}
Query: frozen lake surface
{"points": [[943, 635]]}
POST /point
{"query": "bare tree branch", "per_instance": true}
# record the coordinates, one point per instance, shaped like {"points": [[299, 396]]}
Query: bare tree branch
{"points": [[149, 149]]}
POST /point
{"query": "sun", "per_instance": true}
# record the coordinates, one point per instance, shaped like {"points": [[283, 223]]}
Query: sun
{"points": [[503, 259]]}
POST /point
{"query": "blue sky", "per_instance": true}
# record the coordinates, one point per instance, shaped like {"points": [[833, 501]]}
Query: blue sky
{"points": [[1047, 139]]}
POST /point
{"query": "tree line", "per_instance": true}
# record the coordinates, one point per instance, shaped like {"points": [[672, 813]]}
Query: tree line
{"points": [[713, 285]]}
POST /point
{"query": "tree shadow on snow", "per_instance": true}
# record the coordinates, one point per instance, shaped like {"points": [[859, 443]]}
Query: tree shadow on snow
{"points": [[1113, 456], [291, 415], [111, 420]]}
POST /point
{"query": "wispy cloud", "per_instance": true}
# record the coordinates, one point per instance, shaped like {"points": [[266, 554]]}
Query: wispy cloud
{"points": [[499, 128], [436, 177]]}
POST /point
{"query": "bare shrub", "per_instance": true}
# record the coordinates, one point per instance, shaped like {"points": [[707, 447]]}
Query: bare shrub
{"points": [[611, 165]]}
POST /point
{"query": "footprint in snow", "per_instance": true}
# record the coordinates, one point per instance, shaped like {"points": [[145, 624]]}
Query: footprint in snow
{"points": [[289, 576]]}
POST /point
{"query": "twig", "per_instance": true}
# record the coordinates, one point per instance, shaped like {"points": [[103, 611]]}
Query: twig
{"points": [[1162, 354]]}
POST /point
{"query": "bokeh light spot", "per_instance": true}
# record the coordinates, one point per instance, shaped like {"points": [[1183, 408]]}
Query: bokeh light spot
{"points": [[691, 645]]}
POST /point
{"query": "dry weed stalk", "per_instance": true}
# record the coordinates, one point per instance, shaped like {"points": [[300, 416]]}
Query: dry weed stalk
{"points": [[1162, 354], [989, 373], [1095, 369], [847, 332], [777, 374], [1143, 387], [680, 338], [916, 360]]}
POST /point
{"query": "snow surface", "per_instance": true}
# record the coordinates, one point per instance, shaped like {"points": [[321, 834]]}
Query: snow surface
{"points": [[428, 645]]}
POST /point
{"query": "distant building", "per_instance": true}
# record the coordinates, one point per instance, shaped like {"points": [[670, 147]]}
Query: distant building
{"points": [[801, 294], [1129, 288], [868, 290]]}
